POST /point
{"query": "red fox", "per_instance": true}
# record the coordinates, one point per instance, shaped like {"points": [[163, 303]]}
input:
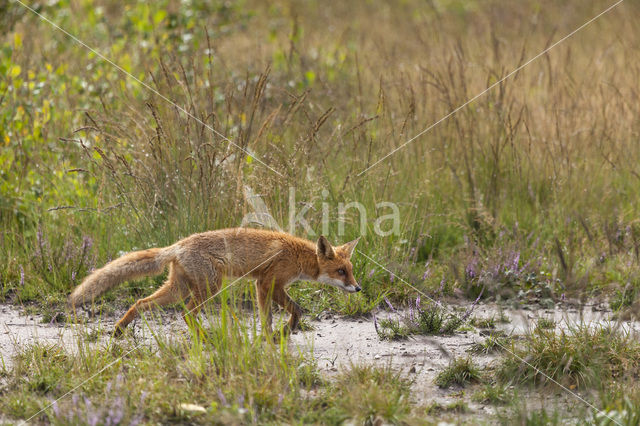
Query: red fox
{"points": [[198, 263]]}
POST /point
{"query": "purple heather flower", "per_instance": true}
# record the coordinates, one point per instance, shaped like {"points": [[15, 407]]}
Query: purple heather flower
{"points": [[515, 261], [470, 270], [472, 307], [392, 277], [390, 305], [21, 276], [222, 398], [116, 413], [373, 271], [87, 243], [426, 274]]}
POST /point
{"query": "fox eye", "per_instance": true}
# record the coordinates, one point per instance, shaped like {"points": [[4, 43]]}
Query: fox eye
{"points": [[341, 271]]}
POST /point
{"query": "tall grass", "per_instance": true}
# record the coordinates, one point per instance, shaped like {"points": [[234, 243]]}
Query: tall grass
{"points": [[529, 192], [224, 370], [547, 152], [544, 162]]}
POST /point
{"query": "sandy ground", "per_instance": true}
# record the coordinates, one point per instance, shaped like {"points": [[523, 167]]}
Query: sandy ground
{"points": [[336, 343]]}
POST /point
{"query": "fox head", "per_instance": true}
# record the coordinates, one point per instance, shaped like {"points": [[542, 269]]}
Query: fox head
{"points": [[335, 265]]}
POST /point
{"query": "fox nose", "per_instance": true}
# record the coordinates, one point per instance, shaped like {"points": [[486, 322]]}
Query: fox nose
{"points": [[358, 288]]}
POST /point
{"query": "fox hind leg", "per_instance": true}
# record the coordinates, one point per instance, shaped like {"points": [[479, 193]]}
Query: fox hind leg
{"points": [[172, 291], [200, 294]]}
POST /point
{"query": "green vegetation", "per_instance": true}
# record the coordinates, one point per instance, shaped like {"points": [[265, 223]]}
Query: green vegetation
{"points": [[497, 394], [582, 356], [511, 194], [461, 371], [492, 343], [528, 194], [546, 323], [432, 320], [225, 372]]}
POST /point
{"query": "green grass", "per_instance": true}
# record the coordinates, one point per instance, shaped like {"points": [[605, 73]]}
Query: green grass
{"points": [[224, 371], [437, 409], [427, 321], [491, 344], [460, 372], [371, 394], [483, 322], [493, 393], [528, 194], [582, 356], [93, 164], [546, 324]]}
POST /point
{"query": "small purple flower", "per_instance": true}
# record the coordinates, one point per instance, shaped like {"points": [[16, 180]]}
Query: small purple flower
{"points": [[470, 270], [116, 413], [472, 307], [392, 277], [426, 274], [442, 283], [373, 271], [140, 415], [280, 399], [222, 398], [390, 305], [87, 243], [21, 276], [514, 261], [73, 276]]}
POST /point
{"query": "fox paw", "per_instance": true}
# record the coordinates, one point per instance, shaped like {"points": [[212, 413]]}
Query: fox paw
{"points": [[118, 332]]}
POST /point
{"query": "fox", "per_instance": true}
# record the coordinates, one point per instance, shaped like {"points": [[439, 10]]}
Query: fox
{"points": [[198, 264]]}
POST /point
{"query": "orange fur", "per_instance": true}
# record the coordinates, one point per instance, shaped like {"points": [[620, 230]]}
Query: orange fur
{"points": [[198, 263]]}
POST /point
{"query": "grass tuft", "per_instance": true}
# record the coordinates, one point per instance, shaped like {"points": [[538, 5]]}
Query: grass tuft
{"points": [[461, 371], [582, 356]]}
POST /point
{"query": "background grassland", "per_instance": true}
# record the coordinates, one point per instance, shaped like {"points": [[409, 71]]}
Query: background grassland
{"points": [[532, 186], [530, 192]]}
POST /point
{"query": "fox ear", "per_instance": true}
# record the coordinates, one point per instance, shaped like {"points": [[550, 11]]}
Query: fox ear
{"points": [[324, 248], [348, 247]]}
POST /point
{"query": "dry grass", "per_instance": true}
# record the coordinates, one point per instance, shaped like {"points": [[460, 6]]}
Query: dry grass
{"points": [[529, 192]]}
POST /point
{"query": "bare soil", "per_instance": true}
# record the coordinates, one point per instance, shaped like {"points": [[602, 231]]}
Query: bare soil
{"points": [[338, 342]]}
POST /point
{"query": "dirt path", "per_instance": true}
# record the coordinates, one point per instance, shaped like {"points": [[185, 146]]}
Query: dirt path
{"points": [[336, 343]]}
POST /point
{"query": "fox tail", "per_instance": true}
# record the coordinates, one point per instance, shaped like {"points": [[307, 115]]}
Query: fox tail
{"points": [[132, 265]]}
